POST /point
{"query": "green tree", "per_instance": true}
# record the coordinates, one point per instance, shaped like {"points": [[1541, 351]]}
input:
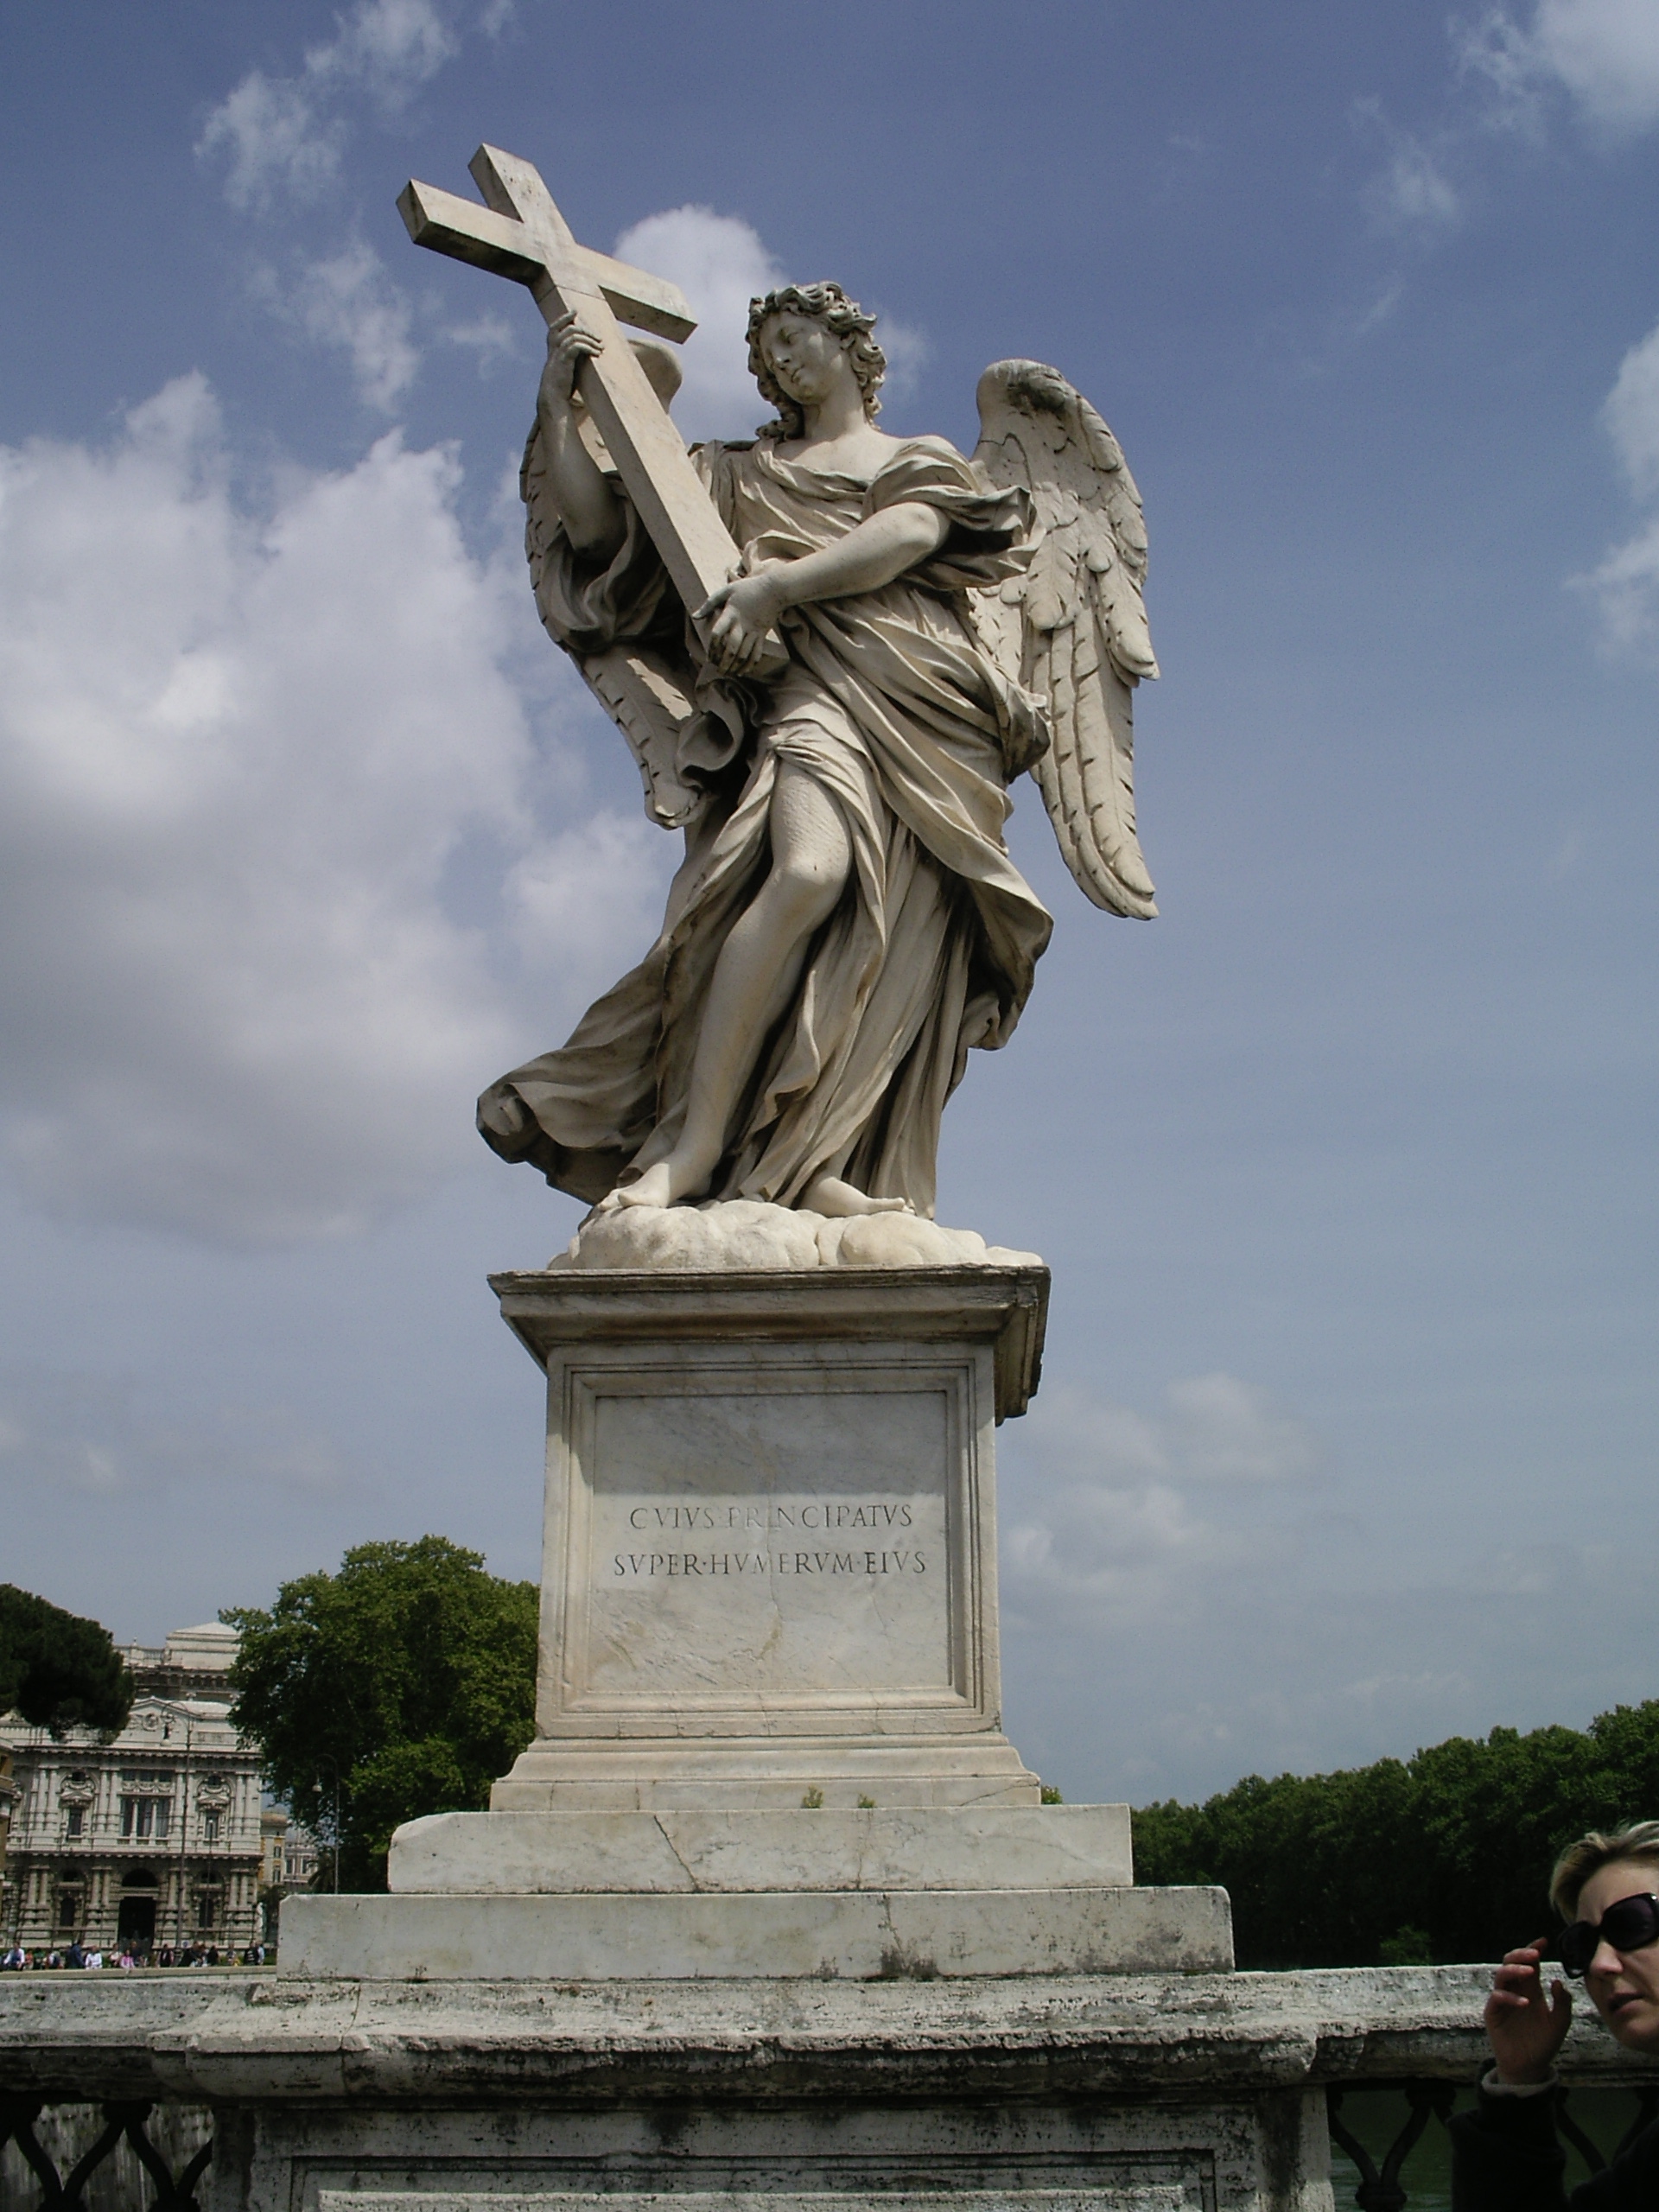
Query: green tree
{"points": [[1444, 1856], [58, 1670], [402, 1685]]}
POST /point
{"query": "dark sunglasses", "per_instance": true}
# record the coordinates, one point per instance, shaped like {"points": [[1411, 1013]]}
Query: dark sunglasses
{"points": [[1630, 1925]]}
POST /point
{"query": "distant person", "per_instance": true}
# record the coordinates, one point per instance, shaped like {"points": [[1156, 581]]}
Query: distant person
{"points": [[1505, 2154], [74, 1956]]}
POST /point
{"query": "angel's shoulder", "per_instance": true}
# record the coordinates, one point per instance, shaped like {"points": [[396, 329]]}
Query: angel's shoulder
{"points": [[927, 443], [928, 456]]}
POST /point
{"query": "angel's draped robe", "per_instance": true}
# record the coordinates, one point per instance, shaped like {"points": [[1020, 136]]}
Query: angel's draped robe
{"points": [[893, 707]]}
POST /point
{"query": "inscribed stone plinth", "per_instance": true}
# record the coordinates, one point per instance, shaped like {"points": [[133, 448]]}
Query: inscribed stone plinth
{"points": [[769, 1737], [770, 1559]]}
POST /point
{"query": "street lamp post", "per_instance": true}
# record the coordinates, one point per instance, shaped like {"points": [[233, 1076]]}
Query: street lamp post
{"points": [[184, 1820], [324, 1760]]}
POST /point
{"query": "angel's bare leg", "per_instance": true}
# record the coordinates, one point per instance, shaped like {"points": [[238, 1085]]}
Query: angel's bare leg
{"points": [[757, 969]]}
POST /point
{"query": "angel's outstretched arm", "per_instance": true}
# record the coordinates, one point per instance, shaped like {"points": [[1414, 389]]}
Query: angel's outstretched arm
{"points": [[589, 503]]}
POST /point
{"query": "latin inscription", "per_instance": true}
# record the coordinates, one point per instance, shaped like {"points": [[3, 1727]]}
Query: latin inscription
{"points": [[827, 1514], [749, 1538], [772, 1517], [714, 1563]]}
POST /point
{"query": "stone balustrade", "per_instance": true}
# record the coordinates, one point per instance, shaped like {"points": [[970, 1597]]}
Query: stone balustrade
{"points": [[371, 2085]]}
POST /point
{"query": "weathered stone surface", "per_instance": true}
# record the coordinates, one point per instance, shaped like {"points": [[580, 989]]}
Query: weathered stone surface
{"points": [[769, 1565], [1261, 2153], [1003, 1306], [865, 1935], [1051, 1846], [231, 2038], [1149, 2179]]}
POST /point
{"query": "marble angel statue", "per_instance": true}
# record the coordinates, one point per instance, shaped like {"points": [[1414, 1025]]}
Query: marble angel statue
{"points": [[847, 921]]}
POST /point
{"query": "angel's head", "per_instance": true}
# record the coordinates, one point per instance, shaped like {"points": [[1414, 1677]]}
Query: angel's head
{"points": [[797, 333]]}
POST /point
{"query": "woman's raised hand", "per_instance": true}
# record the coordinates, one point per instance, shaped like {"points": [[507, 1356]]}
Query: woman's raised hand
{"points": [[1525, 2027], [568, 346]]}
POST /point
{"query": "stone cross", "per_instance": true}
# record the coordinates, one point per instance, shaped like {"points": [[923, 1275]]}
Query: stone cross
{"points": [[518, 232]]}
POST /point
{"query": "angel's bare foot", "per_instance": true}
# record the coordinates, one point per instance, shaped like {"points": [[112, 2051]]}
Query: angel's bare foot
{"points": [[830, 1195], [665, 1184]]}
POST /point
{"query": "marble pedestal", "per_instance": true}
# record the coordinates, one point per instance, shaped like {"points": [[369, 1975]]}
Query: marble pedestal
{"points": [[770, 1563], [769, 1736]]}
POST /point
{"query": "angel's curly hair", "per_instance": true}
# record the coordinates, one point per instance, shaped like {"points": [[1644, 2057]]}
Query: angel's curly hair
{"points": [[827, 304]]}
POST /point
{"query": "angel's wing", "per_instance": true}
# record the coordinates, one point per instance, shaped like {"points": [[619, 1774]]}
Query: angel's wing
{"points": [[1073, 627], [647, 693]]}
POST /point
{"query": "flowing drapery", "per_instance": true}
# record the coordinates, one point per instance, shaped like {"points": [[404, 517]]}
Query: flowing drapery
{"points": [[892, 706]]}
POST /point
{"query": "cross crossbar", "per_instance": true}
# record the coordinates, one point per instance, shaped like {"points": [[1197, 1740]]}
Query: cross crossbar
{"points": [[519, 234], [469, 232]]}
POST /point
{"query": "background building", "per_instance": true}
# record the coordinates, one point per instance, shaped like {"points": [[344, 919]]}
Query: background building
{"points": [[152, 1837], [8, 1797], [287, 1854]]}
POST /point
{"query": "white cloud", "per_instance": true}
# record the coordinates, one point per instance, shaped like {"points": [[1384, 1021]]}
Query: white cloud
{"points": [[277, 134], [1632, 413], [348, 301], [1411, 192], [1222, 1430], [1186, 1595], [491, 339], [1626, 584], [91, 1435], [908, 350], [1121, 1508], [588, 904], [720, 263], [1604, 54], [237, 753], [270, 135], [389, 47]]}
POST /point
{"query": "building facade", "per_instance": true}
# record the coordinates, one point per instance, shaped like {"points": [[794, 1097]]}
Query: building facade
{"points": [[151, 1839], [288, 1853]]}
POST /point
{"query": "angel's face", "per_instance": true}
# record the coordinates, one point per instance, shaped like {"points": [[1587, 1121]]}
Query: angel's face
{"points": [[806, 359]]}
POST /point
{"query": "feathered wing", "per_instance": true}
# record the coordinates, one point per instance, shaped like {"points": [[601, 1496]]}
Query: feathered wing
{"points": [[647, 693], [1073, 627]]}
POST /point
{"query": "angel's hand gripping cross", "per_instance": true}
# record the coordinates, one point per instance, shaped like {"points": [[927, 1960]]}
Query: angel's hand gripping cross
{"points": [[519, 234]]}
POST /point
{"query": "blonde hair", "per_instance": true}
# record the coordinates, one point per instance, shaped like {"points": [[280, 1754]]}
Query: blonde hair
{"points": [[1640, 1841], [827, 304]]}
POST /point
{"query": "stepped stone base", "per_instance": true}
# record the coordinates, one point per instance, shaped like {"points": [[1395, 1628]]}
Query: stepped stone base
{"points": [[747, 1773], [837, 1934], [1048, 1846], [915, 1891]]}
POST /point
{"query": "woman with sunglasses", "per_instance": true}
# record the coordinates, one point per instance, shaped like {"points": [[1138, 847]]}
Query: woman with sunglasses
{"points": [[1505, 2154]]}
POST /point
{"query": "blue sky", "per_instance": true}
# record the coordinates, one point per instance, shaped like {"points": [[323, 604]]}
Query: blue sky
{"points": [[1344, 1167]]}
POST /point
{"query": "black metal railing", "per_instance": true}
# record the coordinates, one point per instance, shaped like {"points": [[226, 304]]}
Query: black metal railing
{"points": [[1381, 2167], [139, 2156], [99, 2177]]}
